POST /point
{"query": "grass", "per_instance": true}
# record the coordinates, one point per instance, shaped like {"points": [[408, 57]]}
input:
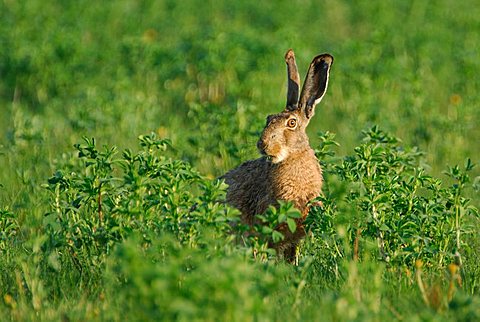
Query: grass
{"points": [[204, 74]]}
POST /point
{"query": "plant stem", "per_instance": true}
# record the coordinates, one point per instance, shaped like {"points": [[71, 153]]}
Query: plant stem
{"points": [[381, 243], [100, 212]]}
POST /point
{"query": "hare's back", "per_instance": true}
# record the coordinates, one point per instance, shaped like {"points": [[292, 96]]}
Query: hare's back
{"points": [[248, 187]]}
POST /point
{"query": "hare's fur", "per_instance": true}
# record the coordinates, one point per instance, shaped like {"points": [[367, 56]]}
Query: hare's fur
{"points": [[289, 170]]}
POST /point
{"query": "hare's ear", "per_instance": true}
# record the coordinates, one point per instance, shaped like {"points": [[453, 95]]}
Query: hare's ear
{"points": [[293, 81], [316, 83]]}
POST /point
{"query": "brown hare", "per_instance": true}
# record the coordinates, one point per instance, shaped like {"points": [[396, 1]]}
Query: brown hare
{"points": [[288, 169]]}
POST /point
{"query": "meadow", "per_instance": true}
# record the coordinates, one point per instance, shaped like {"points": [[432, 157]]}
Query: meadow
{"points": [[117, 117]]}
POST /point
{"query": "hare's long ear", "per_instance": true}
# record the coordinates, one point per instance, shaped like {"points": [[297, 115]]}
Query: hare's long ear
{"points": [[316, 83], [293, 81]]}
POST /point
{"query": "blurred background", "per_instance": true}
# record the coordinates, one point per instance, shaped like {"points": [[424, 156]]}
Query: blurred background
{"points": [[206, 73]]}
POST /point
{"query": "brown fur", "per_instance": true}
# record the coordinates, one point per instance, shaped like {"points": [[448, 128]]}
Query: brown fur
{"points": [[289, 170]]}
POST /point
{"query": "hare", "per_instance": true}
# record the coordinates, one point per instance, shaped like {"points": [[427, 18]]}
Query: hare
{"points": [[288, 169]]}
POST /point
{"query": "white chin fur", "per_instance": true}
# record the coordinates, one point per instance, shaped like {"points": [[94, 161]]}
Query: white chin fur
{"points": [[280, 157]]}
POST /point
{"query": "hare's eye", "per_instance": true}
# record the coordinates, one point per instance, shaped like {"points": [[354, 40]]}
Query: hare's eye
{"points": [[292, 123]]}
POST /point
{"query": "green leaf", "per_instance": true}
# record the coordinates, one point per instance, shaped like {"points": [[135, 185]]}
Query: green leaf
{"points": [[292, 225], [294, 213], [384, 227], [277, 236], [267, 230]]}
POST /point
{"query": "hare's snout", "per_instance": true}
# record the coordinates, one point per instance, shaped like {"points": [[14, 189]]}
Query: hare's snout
{"points": [[261, 146], [271, 148]]}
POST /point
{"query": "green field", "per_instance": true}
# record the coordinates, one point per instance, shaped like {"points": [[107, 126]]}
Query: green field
{"points": [[117, 116]]}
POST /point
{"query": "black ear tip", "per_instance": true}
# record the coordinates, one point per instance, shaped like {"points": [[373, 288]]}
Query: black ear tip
{"points": [[323, 58]]}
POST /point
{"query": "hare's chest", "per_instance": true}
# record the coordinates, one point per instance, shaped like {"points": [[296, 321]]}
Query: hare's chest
{"points": [[297, 184]]}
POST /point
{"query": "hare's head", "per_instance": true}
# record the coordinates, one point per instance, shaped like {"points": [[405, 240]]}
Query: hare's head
{"points": [[284, 133]]}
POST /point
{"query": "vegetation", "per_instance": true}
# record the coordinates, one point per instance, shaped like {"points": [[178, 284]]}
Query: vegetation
{"points": [[118, 116]]}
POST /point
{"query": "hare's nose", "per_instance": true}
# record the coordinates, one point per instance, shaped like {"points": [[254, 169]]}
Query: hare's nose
{"points": [[261, 145]]}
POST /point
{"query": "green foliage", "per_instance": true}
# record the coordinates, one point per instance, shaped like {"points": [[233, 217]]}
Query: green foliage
{"points": [[122, 229], [150, 237], [8, 229], [267, 229], [285, 213], [168, 281], [99, 199], [409, 213]]}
